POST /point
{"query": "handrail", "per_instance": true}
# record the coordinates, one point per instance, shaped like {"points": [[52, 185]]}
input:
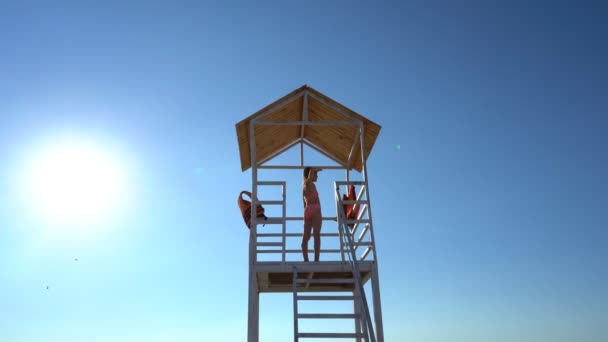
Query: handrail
{"points": [[353, 259]]}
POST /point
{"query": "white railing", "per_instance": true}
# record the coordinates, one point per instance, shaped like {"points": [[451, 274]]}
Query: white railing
{"points": [[349, 244], [279, 236], [360, 225]]}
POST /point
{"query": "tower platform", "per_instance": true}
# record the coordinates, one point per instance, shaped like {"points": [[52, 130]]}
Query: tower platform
{"points": [[322, 276]]}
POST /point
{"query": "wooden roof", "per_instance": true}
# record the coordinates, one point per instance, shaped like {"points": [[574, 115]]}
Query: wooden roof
{"points": [[335, 141]]}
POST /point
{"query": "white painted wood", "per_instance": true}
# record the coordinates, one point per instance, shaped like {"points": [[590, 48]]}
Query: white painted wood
{"points": [[253, 296], [377, 304], [271, 183], [357, 310], [364, 172], [367, 321], [284, 213], [328, 335], [350, 183], [328, 315], [295, 304], [268, 202], [269, 244], [366, 252]]}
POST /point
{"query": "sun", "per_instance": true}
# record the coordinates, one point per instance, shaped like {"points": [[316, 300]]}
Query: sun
{"points": [[74, 183]]}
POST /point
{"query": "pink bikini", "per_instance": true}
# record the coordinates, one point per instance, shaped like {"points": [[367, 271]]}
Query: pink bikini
{"points": [[312, 204]]}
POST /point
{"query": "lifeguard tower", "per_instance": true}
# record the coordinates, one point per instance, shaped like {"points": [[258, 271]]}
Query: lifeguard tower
{"points": [[307, 118]]}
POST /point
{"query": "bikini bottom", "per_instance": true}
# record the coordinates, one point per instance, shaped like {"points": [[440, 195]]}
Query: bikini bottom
{"points": [[311, 209]]}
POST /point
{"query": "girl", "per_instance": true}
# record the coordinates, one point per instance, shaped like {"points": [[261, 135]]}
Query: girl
{"points": [[312, 211]]}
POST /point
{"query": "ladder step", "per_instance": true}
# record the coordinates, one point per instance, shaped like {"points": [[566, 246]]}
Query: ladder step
{"points": [[354, 202], [356, 221], [366, 243], [349, 183], [292, 234], [269, 244], [269, 202], [325, 297], [270, 183], [330, 335], [360, 202], [329, 281], [272, 220], [328, 315]]}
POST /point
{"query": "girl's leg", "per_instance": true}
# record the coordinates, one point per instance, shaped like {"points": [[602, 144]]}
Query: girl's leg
{"points": [[306, 237], [316, 226]]}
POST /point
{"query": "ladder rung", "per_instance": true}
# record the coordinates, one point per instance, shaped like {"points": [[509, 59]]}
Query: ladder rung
{"points": [[354, 201], [292, 234], [350, 183], [270, 183], [328, 281], [328, 316], [269, 202], [325, 297], [363, 231], [366, 252], [269, 244], [356, 221], [330, 335], [363, 243], [272, 220]]}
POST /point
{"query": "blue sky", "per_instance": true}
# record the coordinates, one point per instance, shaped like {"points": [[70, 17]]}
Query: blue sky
{"points": [[488, 179]]}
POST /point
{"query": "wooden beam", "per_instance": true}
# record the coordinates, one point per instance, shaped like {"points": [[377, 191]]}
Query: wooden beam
{"points": [[306, 123], [304, 113]]}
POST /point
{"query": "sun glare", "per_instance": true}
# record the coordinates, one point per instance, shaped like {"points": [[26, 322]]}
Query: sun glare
{"points": [[74, 183]]}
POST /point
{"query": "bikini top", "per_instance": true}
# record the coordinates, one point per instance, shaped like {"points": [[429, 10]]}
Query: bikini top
{"points": [[313, 197]]}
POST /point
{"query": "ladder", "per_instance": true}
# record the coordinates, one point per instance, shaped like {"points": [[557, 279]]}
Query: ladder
{"points": [[364, 329]]}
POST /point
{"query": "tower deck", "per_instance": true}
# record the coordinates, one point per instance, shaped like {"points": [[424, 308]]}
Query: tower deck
{"points": [[324, 276]]}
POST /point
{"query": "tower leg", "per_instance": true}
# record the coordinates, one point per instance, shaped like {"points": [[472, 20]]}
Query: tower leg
{"points": [[253, 322], [358, 311], [377, 306]]}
